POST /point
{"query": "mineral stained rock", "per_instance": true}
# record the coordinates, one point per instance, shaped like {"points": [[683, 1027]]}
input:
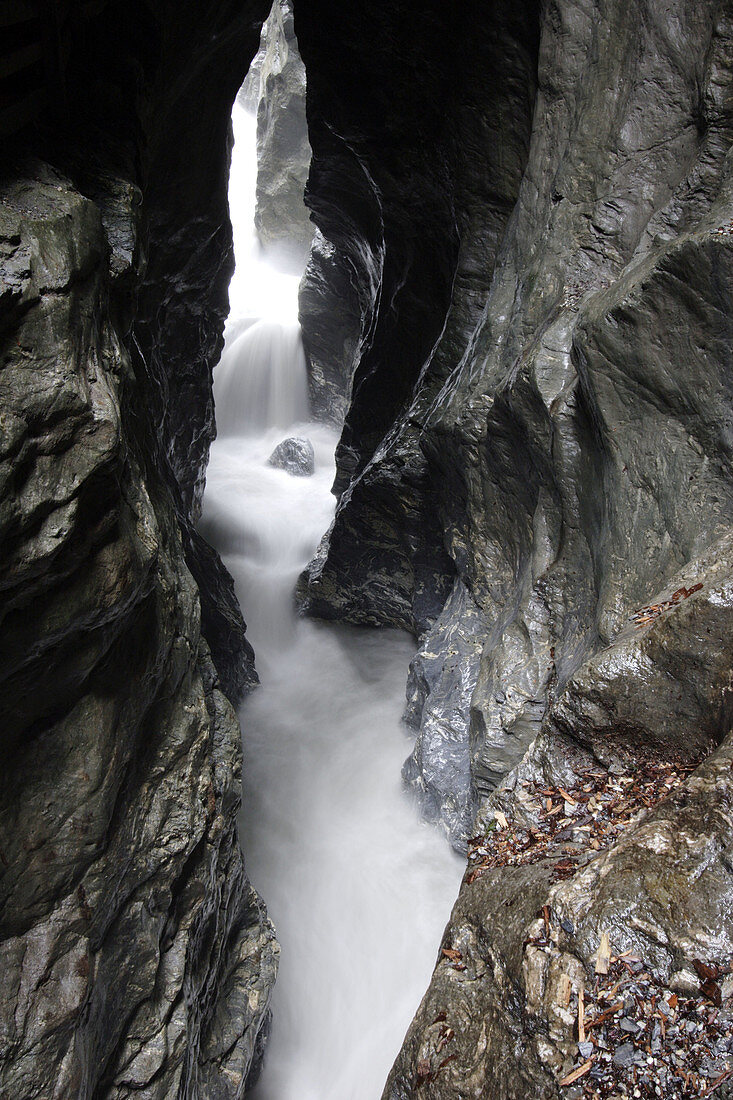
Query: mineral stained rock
{"points": [[535, 473], [295, 456], [136, 958]]}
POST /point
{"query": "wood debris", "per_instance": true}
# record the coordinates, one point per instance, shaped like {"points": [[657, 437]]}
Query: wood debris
{"points": [[645, 615], [603, 955], [571, 825], [579, 1072], [638, 1038]]}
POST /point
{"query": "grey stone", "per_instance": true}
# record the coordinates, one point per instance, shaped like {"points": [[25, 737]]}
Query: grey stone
{"points": [[539, 419], [136, 958], [135, 955], [276, 90], [295, 456], [624, 1054]]}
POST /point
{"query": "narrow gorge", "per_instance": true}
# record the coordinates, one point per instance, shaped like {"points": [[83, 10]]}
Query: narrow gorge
{"points": [[483, 448]]}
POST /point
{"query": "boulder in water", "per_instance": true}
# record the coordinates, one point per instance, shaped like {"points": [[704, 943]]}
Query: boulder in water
{"points": [[295, 456]]}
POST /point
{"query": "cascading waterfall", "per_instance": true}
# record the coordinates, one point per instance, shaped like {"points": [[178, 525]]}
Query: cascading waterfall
{"points": [[358, 887], [261, 380]]}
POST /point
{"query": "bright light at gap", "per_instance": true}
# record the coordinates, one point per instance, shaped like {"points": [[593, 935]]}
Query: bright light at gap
{"points": [[256, 289]]}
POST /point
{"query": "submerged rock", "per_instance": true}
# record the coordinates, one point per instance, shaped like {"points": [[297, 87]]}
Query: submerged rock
{"points": [[295, 456]]}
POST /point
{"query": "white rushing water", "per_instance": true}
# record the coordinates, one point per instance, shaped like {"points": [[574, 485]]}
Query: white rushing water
{"points": [[358, 887]]}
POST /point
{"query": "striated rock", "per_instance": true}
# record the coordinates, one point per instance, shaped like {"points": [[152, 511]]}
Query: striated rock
{"points": [[331, 316], [410, 180], [295, 456], [557, 440], [535, 469], [658, 885], [439, 690], [137, 959], [276, 90]]}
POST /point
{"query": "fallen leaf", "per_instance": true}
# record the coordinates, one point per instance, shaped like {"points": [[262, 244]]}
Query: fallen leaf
{"points": [[423, 1069], [705, 972], [711, 990]]}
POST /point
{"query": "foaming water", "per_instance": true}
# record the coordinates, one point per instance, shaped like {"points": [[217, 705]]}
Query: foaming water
{"points": [[261, 379], [358, 886], [257, 288]]}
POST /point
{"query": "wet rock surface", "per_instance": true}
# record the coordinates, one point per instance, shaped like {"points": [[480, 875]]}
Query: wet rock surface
{"points": [[592, 860], [331, 313], [295, 456], [541, 490], [276, 90], [136, 957], [519, 298], [556, 441]]}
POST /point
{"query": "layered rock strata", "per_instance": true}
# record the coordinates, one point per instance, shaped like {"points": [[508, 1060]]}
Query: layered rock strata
{"points": [[136, 958], [535, 475], [275, 89]]}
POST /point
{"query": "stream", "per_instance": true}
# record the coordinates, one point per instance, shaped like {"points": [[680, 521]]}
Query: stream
{"points": [[358, 887]]}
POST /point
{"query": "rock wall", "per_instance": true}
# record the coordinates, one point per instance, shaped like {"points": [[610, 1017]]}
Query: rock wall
{"points": [[136, 958], [420, 131], [535, 477], [275, 89], [522, 284]]}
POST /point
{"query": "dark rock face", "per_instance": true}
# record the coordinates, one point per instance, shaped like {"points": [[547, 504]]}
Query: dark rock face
{"points": [[331, 313], [542, 443], [136, 958], [537, 449], [429, 166], [295, 456]]}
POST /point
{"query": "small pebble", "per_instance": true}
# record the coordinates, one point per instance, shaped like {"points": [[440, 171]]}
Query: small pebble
{"points": [[624, 1055]]}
